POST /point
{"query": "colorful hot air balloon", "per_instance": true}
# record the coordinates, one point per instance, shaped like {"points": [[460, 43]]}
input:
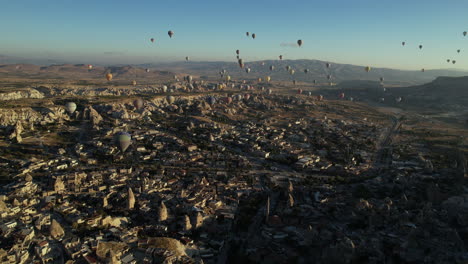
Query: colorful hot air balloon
{"points": [[299, 42], [253, 35], [109, 76], [268, 78], [134, 83], [288, 67], [263, 63], [464, 33], [152, 40], [367, 68], [272, 68], [147, 70], [299, 91], [292, 71], [269, 91], [381, 79], [320, 97], [124, 140], [246, 97], [189, 78], [228, 78], [138, 103], [448, 60], [247, 33], [328, 65], [341, 96], [170, 99], [228, 100], [211, 100], [90, 66], [70, 107], [454, 61], [306, 71], [187, 58], [247, 70], [170, 33], [458, 51]]}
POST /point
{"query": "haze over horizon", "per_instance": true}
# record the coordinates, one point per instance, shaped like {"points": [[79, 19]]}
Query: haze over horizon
{"points": [[360, 32]]}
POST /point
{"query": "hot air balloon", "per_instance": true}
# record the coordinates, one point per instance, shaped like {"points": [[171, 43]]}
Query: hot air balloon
{"points": [[341, 96], [381, 79], [454, 61], [420, 46], [448, 60], [292, 71], [189, 78], [247, 70], [306, 71], [403, 43], [294, 82], [211, 100], [299, 91], [70, 107], [268, 78], [272, 68], [423, 70], [464, 33], [170, 33], [320, 97], [299, 42], [228, 78], [175, 77], [109, 76], [152, 40], [281, 57], [329, 77], [187, 58], [170, 99], [253, 35], [328, 65], [398, 99], [458, 51], [90, 66], [134, 83], [315, 81], [147, 70], [263, 63], [138, 103], [269, 91], [259, 79], [382, 99], [228, 100], [247, 33], [124, 140], [288, 68], [309, 93], [367, 68], [246, 97], [240, 61], [164, 89], [237, 52]]}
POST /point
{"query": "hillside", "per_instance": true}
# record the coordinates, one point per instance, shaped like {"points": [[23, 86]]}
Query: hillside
{"points": [[317, 71]]}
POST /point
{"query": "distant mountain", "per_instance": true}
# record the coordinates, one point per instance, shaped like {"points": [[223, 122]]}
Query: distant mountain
{"points": [[317, 71]]}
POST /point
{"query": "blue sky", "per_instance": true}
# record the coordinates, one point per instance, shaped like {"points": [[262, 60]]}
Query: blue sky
{"points": [[361, 32]]}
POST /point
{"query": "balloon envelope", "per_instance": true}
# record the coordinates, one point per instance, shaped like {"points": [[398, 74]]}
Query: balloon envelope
{"points": [[124, 140], [170, 99], [109, 76], [70, 107], [138, 103]]}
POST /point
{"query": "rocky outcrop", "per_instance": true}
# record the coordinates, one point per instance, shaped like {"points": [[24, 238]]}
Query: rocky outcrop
{"points": [[162, 212], [24, 94], [17, 132], [131, 199]]}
